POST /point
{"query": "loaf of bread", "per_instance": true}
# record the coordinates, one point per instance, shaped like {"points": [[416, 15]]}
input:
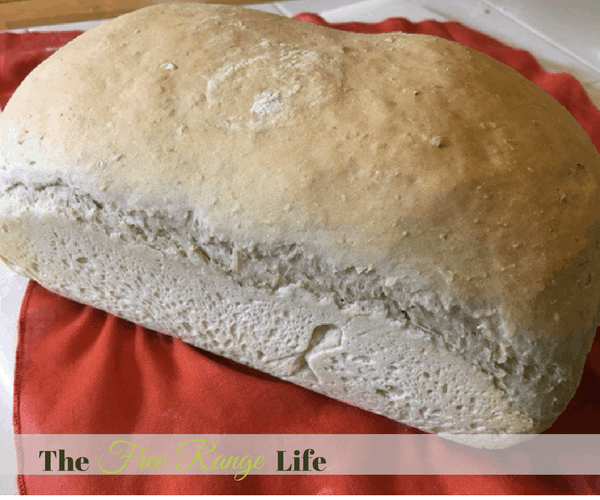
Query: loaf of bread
{"points": [[396, 221]]}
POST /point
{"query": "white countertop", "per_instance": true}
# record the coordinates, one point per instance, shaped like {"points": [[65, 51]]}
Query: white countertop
{"points": [[562, 34]]}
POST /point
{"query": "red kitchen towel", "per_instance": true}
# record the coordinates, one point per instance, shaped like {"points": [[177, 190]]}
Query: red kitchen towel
{"points": [[83, 371]]}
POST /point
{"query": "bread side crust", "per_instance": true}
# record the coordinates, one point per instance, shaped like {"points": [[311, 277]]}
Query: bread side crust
{"points": [[289, 332], [398, 348]]}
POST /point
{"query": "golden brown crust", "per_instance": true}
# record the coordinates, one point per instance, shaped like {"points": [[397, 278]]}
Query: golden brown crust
{"points": [[392, 150]]}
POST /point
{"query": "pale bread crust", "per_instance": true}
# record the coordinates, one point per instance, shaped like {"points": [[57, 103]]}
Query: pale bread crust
{"points": [[407, 154]]}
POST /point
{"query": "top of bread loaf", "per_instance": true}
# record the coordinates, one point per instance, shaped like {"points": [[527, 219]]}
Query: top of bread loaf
{"points": [[428, 158]]}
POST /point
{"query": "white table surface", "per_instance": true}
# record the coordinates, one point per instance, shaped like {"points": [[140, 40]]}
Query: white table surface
{"points": [[563, 34]]}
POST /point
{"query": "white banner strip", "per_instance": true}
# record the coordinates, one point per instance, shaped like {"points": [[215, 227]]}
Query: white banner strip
{"points": [[240, 455]]}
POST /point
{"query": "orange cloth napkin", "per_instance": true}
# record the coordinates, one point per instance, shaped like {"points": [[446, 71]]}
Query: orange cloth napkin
{"points": [[83, 371]]}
